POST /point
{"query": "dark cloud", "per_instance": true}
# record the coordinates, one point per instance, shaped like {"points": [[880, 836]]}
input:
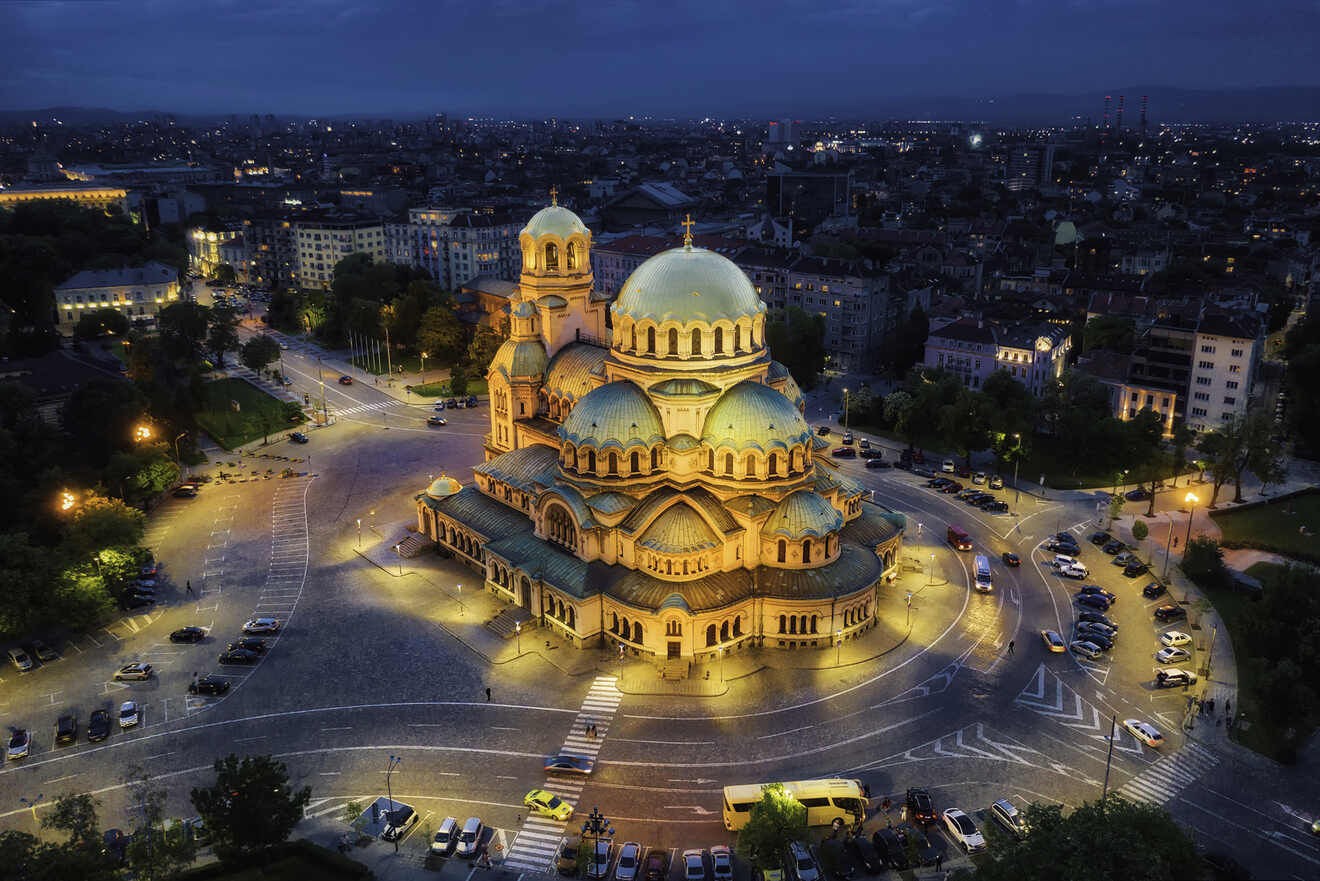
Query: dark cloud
{"points": [[546, 57]]}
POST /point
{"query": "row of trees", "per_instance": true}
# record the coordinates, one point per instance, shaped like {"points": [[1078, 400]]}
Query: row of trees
{"points": [[248, 807], [1302, 350]]}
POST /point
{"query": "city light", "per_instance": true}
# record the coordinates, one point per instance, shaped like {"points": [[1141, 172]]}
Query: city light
{"points": [[142, 433], [67, 501]]}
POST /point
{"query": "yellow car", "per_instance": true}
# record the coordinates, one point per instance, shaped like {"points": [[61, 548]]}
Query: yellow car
{"points": [[546, 803]]}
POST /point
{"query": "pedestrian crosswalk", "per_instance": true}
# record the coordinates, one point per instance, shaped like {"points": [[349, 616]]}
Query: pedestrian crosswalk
{"points": [[1164, 779], [366, 408], [538, 839]]}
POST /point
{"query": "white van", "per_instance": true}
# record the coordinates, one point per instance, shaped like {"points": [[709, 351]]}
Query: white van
{"points": [[983, 582], [446, 837], [470, 838]]}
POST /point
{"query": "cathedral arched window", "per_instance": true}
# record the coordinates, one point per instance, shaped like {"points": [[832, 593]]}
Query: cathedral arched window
{"points": [[814, 619], [673, 627], [650, 340], [614, 622], [655, 458], [696, 342], [728, 464], [724, 632], [783, 623], [637, 632], [710, 635], [737, 627], [572, 619], [806, 550], [613, 467], [591, 461], [552, 256], [750, 466], [719, 341], [772, 465], [636, 462], [783, 550], [560, 528], [634, 338], [710, 461], [737, 339], [673, 342], [571, 256]]}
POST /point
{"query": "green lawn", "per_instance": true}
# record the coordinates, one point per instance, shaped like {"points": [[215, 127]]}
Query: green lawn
{"points": [[1275, 526], [259, 415], [441, 389]]}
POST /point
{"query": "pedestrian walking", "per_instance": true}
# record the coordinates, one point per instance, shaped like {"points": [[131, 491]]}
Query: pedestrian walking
{"points": [[1175, 541], [488, 695], [595, 733], [866, 791], [939, 862], [1228, 708], [188, 584], [1010, 646], [1212, 706]]}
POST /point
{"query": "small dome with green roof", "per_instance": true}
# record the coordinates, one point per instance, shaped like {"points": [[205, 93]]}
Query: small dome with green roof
{"points": [[754, 415], [555, 220], [802, 514], [616, 414], [520, 358]]}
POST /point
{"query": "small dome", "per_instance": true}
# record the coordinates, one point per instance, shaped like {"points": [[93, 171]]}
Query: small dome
{"points": [[520, 358], [617, 414], [683, 388], [754, 415], [523, 310], [573, 370], [554, 220], [443, 487], [681, 443], [803, 514], [679, 530], [688, 284]]}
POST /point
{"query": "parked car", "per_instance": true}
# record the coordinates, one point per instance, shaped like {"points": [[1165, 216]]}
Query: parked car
{"points": [[43, 651], [1053, 641], [188, 634], [1074, 570], [847, 439], [1007, 815], [1144, 731], [66, 729], [823, 430], [886, 841], [137, 672], [694, 865], [447, 836], [1099, 640], [451, 403], [20, 660], [951, 487], [864, 851], [947, 467], [1010, 559], [129, 715], [249, 644], [1113, 547], [398, 822], [877, 463], [472, 401], [20, 743], [630, 860], [98, 726], [1086, 649], [469, 839], [209, 686], [920, 842], [801, 863], [721, 860], [1134, 568], [1153, 590], [566, 860], [239, 656], [963, 831], [598, 863], [1124, 558], [1063, 546], [1100, 539], [920, 806], [844, 453], [996, 482], [994, 506], [1172, 655], [1174, 678], [1100, 591], [299, 438], [1175, 637], [1093, 601], [1098, 618], [1137, 495], [837, 859], [979, 478], [185, 491], [1170, 612], [656, 867], [1096, 627], [262, 625]]}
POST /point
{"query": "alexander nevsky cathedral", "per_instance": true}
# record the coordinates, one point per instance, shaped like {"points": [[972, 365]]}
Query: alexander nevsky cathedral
{"points": [[650, 482]]}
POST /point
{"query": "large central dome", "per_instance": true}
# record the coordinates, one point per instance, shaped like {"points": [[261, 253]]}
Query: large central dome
{"points": [[688, 284]]}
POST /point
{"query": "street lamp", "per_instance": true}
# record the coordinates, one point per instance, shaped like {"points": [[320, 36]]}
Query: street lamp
{"points": [[838, 646], [398, 550], [909, 610], [517, 631], [395, 761], [67, 501], [932, 570], [359, 522], [423, 377], [32, 804], [1017, 460], [596, 828], [177, 457], [1191, 501], [721, 664], [142, 433], [845, 411], [460, 599]]}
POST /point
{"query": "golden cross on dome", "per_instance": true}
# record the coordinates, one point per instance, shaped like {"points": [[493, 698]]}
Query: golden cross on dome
{"points": [[687, 231], [554, 193]]}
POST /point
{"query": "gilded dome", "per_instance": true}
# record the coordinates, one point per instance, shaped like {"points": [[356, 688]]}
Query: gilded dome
{"points": [[616, 414], [555, 220], [573, 369], [754, 415], [802, 514], [688, 284], [443, 487], [520, 358]]}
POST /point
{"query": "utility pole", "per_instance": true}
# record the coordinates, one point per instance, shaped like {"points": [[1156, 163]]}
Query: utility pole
{"points": [[395, 761], [1104, 792], [388, 364], [325, 411]]}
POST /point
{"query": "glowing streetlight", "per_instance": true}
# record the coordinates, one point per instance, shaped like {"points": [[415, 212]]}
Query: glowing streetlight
{"points": [[423, 382], [67, 501], [1017, 460], [359, 522], [838, 646], [142, 433], [398, 549], [1191, 501], [721, 664], [517, 631]]}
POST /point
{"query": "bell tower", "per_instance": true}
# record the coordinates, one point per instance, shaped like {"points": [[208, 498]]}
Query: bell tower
{"points": [[557, 277]]}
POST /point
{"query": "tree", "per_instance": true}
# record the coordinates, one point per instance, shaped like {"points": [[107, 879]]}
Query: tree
{"points": [[153, 855], [250, 805], [1226, 448], [1264, 453], [102, 416], [1097, 842], [775, 820], [75, 815], [101, 322], [486, 341], [797, 338], [260, 351], [898, 412], [99, 522], [1116, 503], [183, 326], [1203, 562], [964, 423], [27, 574], [225, 274], [1182, 439], [223, 333], [1140, 531], [1114, 332], [458, 380], [441, 334]]}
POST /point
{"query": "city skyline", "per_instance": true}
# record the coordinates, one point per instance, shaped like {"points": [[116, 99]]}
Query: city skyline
{"points": [[403, 58]]}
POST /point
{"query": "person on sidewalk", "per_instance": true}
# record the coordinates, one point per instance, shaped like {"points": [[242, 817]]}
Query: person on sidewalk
{"points": [[487, 695], [1010, 646]]}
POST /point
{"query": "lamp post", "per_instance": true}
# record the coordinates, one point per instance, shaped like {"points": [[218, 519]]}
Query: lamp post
{"points": [[845, 411], [460, 599], [142, 433], [721, 664], [620, 662], [1191, 501], [909, 610], [325, 411], [398, 550], [1017, 460], [423, 375], [838, 646], [932, 570], [595, 828], [1168, 543], [177, 457], [359, 522], [31, 803], [1104, 791], [517, 631], [395, 761]]}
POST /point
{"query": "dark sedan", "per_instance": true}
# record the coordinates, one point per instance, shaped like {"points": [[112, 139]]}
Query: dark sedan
{"points": [[877, 463], [1011, 559], [1094, 600], [1170, 613], [1135, 568], [1100, 539], [209, 685], [98, 726], [570, 763], [845, 453], [1153, 590], [1114, 546], [66, 729], [865, 853], [299, 438], [886, 841], [239, 656], [249, 644], [345, 380], [188, 634], [1137, 495]]}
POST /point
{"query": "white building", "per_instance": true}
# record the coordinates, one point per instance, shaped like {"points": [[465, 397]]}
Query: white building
{"points": [[140, 293], [457, 245], [1225, 355], [323, 241], [1034, 355]]}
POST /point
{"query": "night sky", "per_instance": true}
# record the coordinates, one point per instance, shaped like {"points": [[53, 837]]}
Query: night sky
{"points": [[546, 57]]}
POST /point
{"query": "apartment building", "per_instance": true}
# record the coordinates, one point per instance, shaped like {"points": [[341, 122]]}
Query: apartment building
{"points": [[1033, 354], [456, 245], [271, 255], [138, 292], [1226, 353], [855, 303], [204, 246], [321, 241]]}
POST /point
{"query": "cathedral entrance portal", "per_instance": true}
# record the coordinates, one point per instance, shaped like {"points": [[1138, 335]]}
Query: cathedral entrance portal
{"points": [[675, 649], [525, 594]]}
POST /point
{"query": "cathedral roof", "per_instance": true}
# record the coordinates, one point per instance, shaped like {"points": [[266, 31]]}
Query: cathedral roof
{"points": [[572, 370], [616, 414], [688, 284], [527, 468], [801, 514], [754, 415], [679, 530], [554, 220], [520, 358]]}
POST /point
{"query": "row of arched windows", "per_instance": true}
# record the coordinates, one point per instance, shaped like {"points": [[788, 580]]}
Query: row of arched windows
{"points": [[637, 463], [560, 527], [735, 339], [462, 542], [798, 623], [621, 628], [806, 551], [857, 614], [755, 466], [671, 566], [724, 633], [564, 614], [550, 257]]}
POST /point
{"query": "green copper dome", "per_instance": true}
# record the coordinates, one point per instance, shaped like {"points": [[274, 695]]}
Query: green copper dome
{"points": [[616, 414], [688, 284], [754, 415], [680, 530], [803, 514], [520, 358], [555, 220]]}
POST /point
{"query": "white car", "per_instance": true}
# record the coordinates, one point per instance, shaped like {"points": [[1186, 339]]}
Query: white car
{"points": [[1172, 655], [721, 858], [1075, 570], [1086, 649], [947, 468], [1144, 731], [20, 659], [630, 855], [20, 742], [1175, 637], [1053, 641], [962, 830], [694, 867], [262, 625], [138, 672], [128, 714]]}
